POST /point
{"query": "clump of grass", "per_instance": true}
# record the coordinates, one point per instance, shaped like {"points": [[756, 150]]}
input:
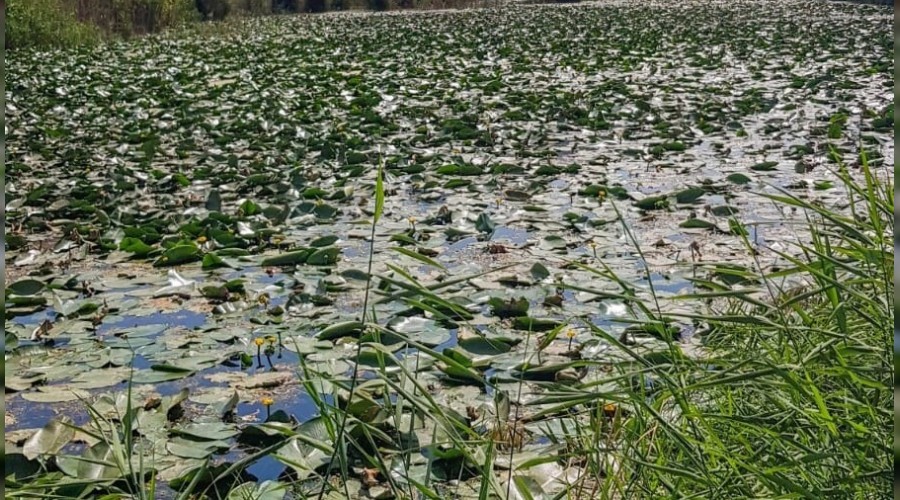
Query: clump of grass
{"points": [[67, 23], [792, 396], [33, 23]]}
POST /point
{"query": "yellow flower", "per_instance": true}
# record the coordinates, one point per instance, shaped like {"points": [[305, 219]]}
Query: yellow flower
{"points": [[271, 339], [259, 341], [412, 220], [570, 333], [201, 240], [267, 401]]}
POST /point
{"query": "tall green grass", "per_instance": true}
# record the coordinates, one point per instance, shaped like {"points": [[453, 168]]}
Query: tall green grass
{"points": [[69, 23], [41, 23], [792, 395]]}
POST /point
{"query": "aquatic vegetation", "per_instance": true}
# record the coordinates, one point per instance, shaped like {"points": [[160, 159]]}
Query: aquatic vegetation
{"points": [[530, 251]]}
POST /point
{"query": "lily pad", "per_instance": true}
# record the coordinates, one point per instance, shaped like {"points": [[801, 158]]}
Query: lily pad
{"points": [[177, 255], [209, 431], [50, 439], [738, 179], [689, 195], [26, 287], [289, 259], [653, 203], [324, 256], [765, 166], [535, 324]]}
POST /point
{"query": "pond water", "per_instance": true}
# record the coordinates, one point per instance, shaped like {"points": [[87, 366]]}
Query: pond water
{"points": [[198, 216]]}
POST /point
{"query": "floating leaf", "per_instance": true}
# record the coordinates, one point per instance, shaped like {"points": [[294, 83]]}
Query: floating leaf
{"points": [[186, 448], [209, 431], [214, 201], [304, 457], [535, 324], [697, 224], [508, 308], [289, 259], [765, 166], [50, 439], [484, 224], [226, 406], [689, 195], [739, 179], [724, 210], [54, 394], [324, 256], [26, 287], [97, 462], [539, 272], [323, 241], [215, 292], [343, 329], [213, 261], [653, 203], [179, 254], [19, 468], [135, 246], [160, 373], [484, 346]]}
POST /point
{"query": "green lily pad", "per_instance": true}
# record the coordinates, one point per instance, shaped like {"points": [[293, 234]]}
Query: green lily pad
{"points": [[739, 179], [324, 256], [689, 195], [484, 346], [54, 394], [697, 224], [97, 462], [323, 241], [50, 439], [26, 287], [213, 261], [508, 308], [653, 203], [724, 210], [135, 246], [484, 224], [535, 324], [160, 373], [209, 431], [288, 259], [191, 448], [177, 255], [342, 329], [765, 166]]}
